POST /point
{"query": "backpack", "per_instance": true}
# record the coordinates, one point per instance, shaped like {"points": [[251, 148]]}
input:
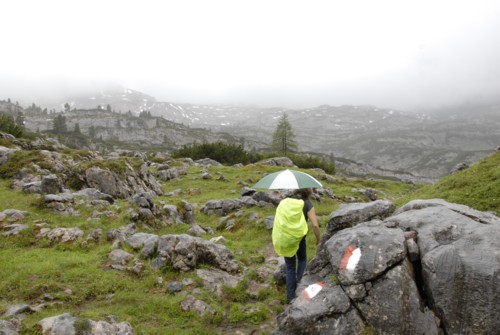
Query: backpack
{"points": [[290, 226]]}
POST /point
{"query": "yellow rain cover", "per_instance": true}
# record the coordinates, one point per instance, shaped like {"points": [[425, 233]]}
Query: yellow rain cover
{"points": [[290, 226]]}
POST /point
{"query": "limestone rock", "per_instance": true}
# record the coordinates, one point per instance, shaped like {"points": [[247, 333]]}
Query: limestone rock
{"points": [[190, 303], [279, 161], [432, 267], [348, 215], [213, 280], [147, 242], [14, 229], [184, 252], [60, 324], [51, 184], [59, 234], [65, 324], [8, 328]]}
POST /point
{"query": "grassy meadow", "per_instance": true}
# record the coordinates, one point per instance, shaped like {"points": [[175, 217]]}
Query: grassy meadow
{"points": [[76, 279]]}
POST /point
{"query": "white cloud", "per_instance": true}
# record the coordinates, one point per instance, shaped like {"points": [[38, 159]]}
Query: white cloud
{"points": [[273, 52]]}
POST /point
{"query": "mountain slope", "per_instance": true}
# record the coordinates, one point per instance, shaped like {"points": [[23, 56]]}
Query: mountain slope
{"points": [[410, 146], [477, 187]]}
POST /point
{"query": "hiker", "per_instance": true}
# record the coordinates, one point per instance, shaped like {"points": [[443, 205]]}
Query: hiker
{"points": [[289, 235]]}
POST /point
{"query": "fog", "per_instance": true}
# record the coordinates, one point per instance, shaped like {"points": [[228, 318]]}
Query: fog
{"points": [[397, 54]]}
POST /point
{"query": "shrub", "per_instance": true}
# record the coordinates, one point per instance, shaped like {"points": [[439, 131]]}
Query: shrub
{"points": [[8, 125], [306, 161], [18, 160], [223, 153]]}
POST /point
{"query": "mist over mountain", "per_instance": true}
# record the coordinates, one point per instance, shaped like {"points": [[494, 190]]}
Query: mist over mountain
{"points": [[364, 140]]}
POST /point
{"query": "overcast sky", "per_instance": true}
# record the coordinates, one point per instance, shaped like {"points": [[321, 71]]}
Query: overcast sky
{"points": [[400, 54]]}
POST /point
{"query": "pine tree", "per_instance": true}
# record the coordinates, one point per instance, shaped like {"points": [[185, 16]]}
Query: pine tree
{"points": [[284, 137], [92, 132], [59, 125], [20, 119], [8, 125]]}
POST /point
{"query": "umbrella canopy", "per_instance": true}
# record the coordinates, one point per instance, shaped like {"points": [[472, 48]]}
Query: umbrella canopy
{"points": [[288, 179]]}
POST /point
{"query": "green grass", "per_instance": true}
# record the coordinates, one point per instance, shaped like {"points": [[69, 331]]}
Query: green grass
{"points": [[477, 187], [19, 160]]}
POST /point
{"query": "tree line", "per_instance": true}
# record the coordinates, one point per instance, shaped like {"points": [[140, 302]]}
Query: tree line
{"points": [[283, 144]]}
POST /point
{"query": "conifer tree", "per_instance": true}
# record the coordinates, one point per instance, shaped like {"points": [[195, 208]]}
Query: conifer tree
{"points": [[59, 125], [284, 137]]}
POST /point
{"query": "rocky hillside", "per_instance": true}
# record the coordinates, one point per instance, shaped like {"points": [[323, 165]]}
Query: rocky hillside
{"points": [[144, 244], [124, 131], [368, 141], [377, 141]]}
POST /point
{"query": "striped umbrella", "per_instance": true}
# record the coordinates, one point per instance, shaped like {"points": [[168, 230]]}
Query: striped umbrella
{"points": [[288, 179]]}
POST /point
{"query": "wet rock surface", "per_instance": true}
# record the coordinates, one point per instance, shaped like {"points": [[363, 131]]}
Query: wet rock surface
{"points": [[364, 278]]}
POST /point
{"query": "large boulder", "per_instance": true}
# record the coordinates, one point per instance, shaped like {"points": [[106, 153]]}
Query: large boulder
{"points": [[379, 248], [60, 234], [329, 312], [5, 154], [65, 324], [51, 184], [185, 252], [279, 161], [363, 278], [167, 174], [125, 184], [350, 214], [222, 207], [460, 260], [102, 180], [145, 241], [8, 328]]}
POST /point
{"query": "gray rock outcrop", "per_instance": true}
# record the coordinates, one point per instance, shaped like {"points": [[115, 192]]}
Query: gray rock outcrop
{"points": [[51, 184], [368, 275], [5, 153], [185, 252], [190, 303], [279, 161], [12, 215], [8, 328], [61, 235], [167, 174], [145, 241], [221, 207], [118, 186], [65, 324]]}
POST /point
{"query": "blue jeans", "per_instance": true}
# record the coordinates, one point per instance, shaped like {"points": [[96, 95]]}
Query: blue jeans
{"points": [[295, 267]]}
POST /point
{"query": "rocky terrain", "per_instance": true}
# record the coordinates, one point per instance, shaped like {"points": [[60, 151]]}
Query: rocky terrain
{"points": [[363, 140], [429, 267]]}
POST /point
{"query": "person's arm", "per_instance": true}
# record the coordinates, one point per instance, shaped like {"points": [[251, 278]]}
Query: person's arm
{"points": [[314, 221]]}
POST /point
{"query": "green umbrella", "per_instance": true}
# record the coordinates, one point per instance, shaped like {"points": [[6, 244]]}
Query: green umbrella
{"points": [[288, 179]]}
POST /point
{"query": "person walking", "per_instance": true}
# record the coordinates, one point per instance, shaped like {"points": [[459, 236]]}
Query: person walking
{"points": [[289, 235]]}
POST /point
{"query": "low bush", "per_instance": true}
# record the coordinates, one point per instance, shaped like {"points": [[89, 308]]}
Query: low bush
{"points": [[221, 152]]}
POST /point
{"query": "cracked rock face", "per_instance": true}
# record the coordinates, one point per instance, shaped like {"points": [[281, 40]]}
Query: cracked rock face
{"points": [[363, 275], [185, 252]]}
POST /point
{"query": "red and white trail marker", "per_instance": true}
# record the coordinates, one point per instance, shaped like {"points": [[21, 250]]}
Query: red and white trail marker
{"points": [[351, 258], [312, 290]]}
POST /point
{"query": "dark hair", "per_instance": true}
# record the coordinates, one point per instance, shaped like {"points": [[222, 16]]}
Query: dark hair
{"points": [[304, 193]]}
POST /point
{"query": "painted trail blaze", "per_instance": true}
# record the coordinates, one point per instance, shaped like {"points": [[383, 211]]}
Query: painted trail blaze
{"points": [[312, 290], [351, 258]]}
